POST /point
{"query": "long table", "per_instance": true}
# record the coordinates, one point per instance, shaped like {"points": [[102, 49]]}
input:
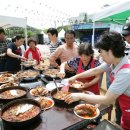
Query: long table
{"points": [[59, 118]]}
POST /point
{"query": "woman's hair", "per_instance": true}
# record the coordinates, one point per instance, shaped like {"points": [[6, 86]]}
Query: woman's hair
{"points": [[18, 37], [32, 40], [86, 49], [112, 41]]}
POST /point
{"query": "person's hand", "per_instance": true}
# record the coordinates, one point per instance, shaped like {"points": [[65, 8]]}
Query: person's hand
{"points": [[86, 85], [73, 97], [61, 75], [42, 59], [71, 80], [81, 88], [23, 58]]}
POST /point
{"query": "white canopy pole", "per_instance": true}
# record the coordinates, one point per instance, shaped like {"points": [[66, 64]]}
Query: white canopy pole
{"points": [[26, 35], [93, 34]]}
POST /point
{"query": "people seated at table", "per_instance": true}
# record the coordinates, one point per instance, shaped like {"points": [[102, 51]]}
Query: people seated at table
{"points": [[66, 51], [83, 62], [14, 55], [111, 47], [33, 52]]}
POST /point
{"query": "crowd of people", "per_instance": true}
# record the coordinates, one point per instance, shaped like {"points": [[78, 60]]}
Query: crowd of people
{"points": [[79, 63]]}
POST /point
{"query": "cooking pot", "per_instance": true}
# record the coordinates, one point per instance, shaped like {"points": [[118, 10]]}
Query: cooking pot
{"points": [[17, 102], [12, 93], [60, 102]]}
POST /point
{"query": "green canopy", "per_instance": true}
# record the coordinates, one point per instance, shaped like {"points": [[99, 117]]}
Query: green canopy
{"points": [[117, 13], [117, 18]]}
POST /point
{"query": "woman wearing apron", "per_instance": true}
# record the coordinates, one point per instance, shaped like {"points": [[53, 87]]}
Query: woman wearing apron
{"points": [[84, 62], [111, 47]]}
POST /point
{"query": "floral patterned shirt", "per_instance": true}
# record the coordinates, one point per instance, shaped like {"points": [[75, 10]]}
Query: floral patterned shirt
{"points": [[74, 62]]}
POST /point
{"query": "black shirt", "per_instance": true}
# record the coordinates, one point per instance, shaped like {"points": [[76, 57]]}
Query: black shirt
{"points": [[13, 64]]}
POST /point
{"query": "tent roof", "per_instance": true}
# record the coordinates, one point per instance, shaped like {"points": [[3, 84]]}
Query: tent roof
{"points": [[117, 13], [6, 21], [45, 35], [61, 33]]}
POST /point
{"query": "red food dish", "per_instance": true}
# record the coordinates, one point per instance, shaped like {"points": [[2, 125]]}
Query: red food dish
{"points": [[45, 102], [86, 111], [11, 113]]}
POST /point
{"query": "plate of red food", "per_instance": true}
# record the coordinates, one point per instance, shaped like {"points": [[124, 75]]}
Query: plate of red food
{"points": [[86, 111]]}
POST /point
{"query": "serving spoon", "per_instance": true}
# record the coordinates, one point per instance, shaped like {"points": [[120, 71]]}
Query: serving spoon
{"points": [[56, 85]]}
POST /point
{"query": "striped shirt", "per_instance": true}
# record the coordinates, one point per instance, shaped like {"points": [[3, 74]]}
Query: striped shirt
{"points": [[53, 47]]}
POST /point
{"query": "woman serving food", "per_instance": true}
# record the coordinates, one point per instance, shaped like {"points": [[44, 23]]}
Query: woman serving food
{"points": [[84, 62], [111, 47]]}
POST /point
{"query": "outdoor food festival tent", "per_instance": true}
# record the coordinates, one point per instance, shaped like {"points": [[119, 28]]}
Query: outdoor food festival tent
{"points": [[6, 22], [61, 33], [118, 14]]}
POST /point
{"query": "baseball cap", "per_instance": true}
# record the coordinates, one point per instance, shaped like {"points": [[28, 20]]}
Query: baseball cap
{"points": [[126, 29]]}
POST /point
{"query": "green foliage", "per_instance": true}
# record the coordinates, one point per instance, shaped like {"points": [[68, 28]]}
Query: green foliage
{"points": [[13, 31], [67, 27]]}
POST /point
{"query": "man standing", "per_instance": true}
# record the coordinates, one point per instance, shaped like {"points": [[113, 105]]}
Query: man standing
{"points": [[3, 49], [65, 52], [53, 37], [126, 35], [54, 42]]}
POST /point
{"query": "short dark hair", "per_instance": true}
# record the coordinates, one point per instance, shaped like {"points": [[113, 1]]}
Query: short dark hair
{"points": [[32, 40], [112, 41], [16, 38], [2, 30], [53, 31], [70, 32], [86, 49]]}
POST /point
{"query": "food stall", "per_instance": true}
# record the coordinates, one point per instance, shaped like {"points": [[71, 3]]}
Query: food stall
{"points": [[52, 115]]}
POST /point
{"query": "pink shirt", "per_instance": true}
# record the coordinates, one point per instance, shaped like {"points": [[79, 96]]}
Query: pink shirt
{"points": [[64, 53]]}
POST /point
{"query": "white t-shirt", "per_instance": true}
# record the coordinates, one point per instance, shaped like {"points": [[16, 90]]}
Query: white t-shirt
{"points": [[44, 49], [22, 49]]}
